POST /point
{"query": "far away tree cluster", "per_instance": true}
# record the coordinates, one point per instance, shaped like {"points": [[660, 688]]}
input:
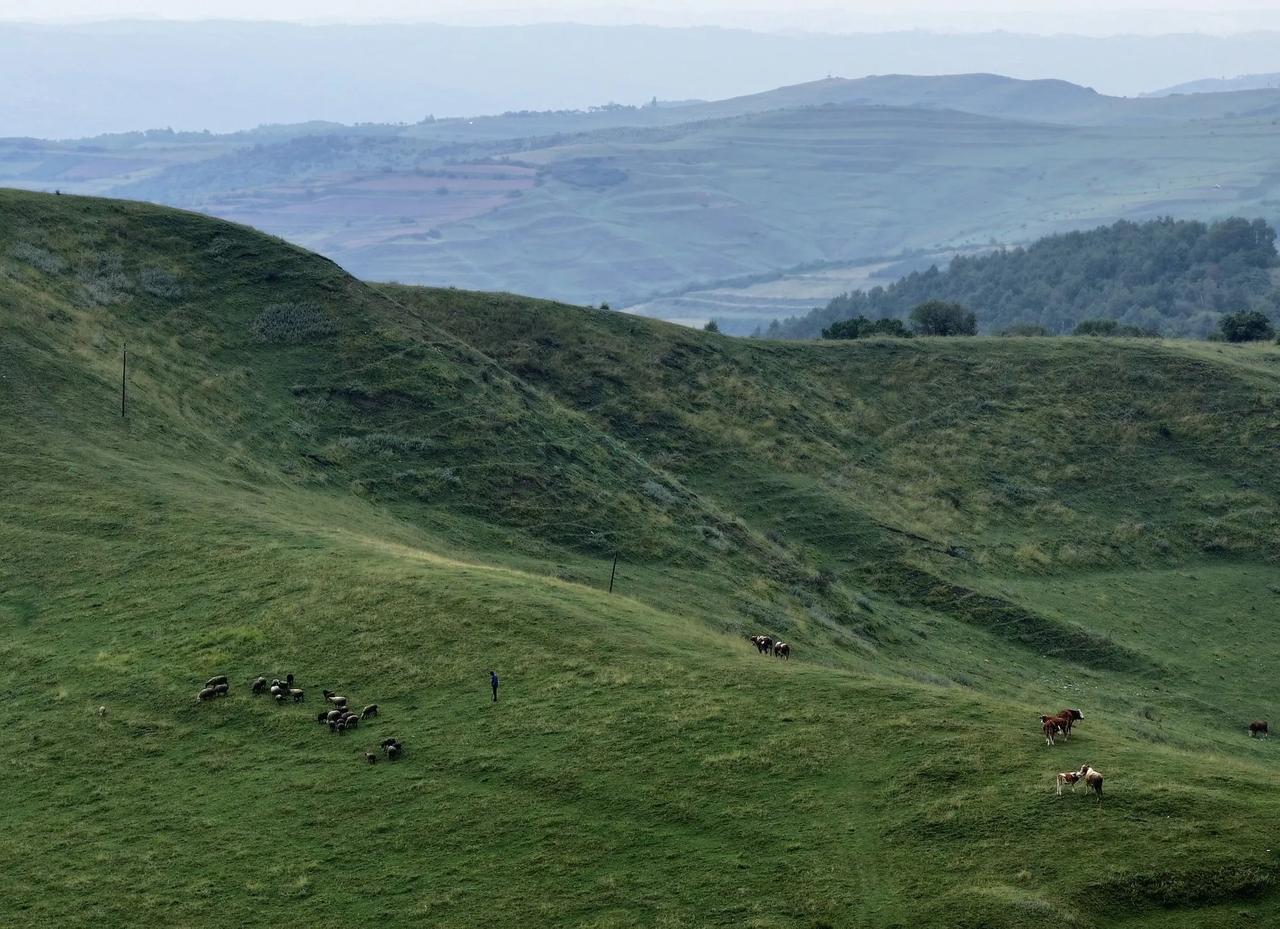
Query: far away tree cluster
{"points": [[1171, 277]]}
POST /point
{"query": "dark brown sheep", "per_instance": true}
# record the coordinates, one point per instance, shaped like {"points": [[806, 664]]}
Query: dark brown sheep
{"points": [[322, 717], [221, 690]]}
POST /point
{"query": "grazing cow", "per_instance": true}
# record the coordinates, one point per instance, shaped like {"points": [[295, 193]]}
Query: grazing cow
{"points": [[1068, 779], [259, 685], [1092, 779], [1070, 716], [371, 757], [763, 643], [207, 694], [1258, 728], [297, 693], [782, 650], [1053, 726], [215, 681], [369, 711]]}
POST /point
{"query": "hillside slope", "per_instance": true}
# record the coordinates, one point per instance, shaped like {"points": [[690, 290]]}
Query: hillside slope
{"points": [[388, 491]]}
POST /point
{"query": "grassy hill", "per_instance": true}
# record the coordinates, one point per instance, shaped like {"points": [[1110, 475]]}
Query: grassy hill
{"points": [[388, 491]]}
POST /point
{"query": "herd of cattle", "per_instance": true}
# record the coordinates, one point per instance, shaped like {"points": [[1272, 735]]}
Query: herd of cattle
{"points": [[339, 717], [1056, 727]]}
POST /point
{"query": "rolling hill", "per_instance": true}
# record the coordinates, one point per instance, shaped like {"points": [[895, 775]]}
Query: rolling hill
{"points": [[641, 206], [388, 490]]}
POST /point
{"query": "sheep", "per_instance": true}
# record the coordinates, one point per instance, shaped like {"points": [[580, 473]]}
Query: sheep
{"points": [[288, 679], [1258, 728], [207, 694], [388, 742], [782, 650], [336, 700], [215, 681], [297, 693], [280, 698], [395, 751], [221, 690], [102, 712], [322, 717], [369, 711], [351, 721], [1068, 778], [333, 725], [328, 693], [333, 715], [371, 757], [259, 685], [1092, 779], [276, 690]]}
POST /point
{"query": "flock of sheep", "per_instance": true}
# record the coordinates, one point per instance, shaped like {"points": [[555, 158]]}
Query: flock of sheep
{"points": [[340, 718]]}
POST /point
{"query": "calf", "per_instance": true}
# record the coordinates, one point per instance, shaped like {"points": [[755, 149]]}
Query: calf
{"points": [[1258, 728], [1052, 726], [1068, 779]]}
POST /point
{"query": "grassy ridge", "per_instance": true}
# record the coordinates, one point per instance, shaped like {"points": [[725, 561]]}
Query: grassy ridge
{"points": [[645, 766]]}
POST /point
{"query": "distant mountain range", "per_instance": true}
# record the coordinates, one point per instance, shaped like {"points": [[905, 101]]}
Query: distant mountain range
{"points": [[643, 205], [70, 81]]}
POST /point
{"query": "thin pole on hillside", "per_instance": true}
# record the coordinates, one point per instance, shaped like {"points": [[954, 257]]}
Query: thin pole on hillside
{"points": [[614, 572], [124, 374]]}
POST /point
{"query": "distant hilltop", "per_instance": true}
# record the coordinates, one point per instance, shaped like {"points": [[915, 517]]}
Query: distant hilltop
{"points": [[1221, 85]]}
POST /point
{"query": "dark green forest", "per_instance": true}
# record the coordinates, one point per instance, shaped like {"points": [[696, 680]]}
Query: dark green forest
{"points": [[1174, 277]]}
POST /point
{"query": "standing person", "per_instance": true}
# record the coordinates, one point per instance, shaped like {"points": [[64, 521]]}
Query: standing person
{"points": [[493, 682]]}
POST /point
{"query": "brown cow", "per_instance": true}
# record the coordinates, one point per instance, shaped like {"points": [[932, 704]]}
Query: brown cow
{"points": [[1068, 779], [1258, 728], [1052, 726]]}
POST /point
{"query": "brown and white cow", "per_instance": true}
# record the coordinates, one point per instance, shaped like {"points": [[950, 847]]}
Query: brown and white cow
{"points": [[1052, 727], [1068, 779], [1092, 779]]}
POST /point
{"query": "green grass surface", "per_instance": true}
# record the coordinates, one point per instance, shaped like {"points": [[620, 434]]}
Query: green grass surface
{"points": [[955, 537]]}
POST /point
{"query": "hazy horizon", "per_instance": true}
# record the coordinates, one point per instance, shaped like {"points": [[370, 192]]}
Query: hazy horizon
{"points": [[1124, 17]]}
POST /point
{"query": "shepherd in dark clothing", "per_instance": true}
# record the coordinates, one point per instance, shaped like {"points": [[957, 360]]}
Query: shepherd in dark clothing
{"points": [[493, 682]]}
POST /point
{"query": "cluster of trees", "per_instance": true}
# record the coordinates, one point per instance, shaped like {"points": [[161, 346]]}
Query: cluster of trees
{"points": [[945, 319], [934, 317], [1170, 277]]}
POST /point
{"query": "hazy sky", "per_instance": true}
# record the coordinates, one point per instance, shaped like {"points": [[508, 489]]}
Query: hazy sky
{"points": [[1081, 16]]}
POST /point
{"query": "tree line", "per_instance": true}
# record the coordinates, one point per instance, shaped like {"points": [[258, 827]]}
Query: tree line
{"points": [[1163, 277]]}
